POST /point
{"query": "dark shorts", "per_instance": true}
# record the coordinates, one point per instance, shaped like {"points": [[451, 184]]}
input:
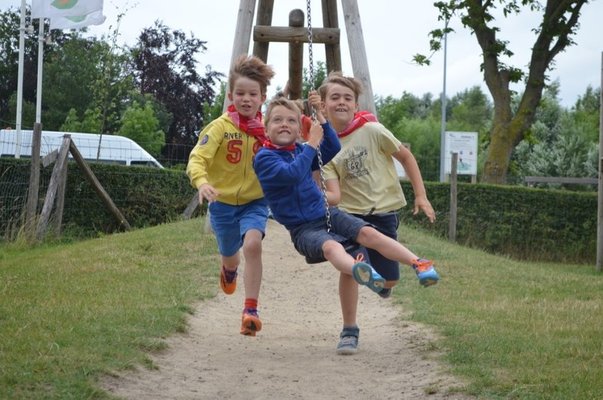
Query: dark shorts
{"points": [[308, 238], [388, 225], [231, 223]]}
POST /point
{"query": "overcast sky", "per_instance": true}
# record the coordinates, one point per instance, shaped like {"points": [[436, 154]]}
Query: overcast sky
{"points": [[393, 32]]}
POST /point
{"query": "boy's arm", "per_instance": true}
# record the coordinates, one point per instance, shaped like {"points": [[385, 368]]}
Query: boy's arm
{"points": [[200, 157], [330, 145], [408, 161]]}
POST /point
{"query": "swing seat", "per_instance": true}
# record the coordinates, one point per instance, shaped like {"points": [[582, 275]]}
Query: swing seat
{"points": [[351, 247]]}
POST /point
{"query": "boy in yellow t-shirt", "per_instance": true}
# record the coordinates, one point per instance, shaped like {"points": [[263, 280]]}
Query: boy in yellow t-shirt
{"points": [[362, 180]]}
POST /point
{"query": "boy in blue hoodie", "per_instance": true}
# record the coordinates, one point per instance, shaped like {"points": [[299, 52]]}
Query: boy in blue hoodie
{"points": [[284, 168]]}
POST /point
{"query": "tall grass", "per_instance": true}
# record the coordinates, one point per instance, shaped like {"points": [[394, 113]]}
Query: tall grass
{"points": [[70, 313]]}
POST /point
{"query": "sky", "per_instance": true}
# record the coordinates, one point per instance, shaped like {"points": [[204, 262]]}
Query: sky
{"points": [[393, 32]]}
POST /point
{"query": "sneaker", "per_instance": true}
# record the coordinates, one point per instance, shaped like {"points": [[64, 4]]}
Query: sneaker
{"points": [[365, 275], [385, 293], [250, 322], [425, 272], [348, 341], [228, 280]]}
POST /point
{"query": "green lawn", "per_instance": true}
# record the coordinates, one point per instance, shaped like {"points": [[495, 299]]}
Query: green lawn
{"points": [[70, 313]]}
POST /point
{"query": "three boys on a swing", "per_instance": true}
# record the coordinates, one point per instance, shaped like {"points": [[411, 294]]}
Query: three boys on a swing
{"points": [[284, 169]]}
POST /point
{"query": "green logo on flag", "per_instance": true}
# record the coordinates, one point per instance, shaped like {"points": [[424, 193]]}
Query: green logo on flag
{"points": [[64, 4], [76, 20]]}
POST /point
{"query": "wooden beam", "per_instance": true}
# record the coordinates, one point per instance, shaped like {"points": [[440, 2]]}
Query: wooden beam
{"points": [[288, 34], [98, 188]]}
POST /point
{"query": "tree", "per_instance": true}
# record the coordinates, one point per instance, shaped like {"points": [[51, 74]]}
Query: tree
{"points": [[141, 125], [558, 143], [553, 35], [164, 65]]}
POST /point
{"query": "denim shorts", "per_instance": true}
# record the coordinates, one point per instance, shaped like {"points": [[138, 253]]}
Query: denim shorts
{"points": [[387, 224], [231, 223], [308, 238]]}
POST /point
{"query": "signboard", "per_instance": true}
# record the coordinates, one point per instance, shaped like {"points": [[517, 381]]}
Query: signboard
{"points": [[465, 145]]}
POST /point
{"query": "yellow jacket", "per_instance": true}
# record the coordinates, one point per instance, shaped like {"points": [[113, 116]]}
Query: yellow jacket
{"points": [[223, 157]]}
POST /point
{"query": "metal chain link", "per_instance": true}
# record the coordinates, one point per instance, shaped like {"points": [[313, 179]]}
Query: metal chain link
{"points": [[323, 182]]}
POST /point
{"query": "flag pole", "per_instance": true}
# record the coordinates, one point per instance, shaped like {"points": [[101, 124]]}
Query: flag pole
{"points": [[20, 80]]}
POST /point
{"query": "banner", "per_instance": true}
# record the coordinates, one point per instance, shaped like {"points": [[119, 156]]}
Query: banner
{"points": [[69, 14], [64, 8], [94, 18]]}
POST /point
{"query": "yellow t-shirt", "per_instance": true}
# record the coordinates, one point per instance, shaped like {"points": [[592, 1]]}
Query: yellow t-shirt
{"points": [[223, 157], [366, 171]]}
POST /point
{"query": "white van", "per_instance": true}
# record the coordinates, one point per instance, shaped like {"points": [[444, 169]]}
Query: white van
{"points": [[113, 149]]}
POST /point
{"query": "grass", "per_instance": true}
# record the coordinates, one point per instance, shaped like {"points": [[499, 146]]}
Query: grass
{"points": [[70, 313], [515, 330]]}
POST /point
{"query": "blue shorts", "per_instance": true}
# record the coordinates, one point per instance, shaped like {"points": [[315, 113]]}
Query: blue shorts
{"points": [[308, 238], [388, 225], [231, 223]]}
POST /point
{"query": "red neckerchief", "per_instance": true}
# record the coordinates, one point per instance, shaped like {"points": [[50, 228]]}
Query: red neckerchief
{"points": [[360, 118], [268, 144], [251, 126]]}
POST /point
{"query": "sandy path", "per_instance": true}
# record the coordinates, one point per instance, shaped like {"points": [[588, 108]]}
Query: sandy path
{"points": [[293, 357]]}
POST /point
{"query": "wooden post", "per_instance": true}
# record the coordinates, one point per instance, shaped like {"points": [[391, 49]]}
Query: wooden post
{"points": [[60, 206], [55, 180], [191, 207], [242, 35], [34, 182], [453, 198], [329, 20], [260, 49], [98, 188], [358, 54], [296, 57]]}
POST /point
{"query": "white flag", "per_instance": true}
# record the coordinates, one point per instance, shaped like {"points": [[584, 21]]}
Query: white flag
{"points": [[94, 18], [64, 8]]}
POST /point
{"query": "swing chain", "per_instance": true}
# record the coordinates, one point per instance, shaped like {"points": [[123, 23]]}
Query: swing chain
{"points": [[323, 183]]}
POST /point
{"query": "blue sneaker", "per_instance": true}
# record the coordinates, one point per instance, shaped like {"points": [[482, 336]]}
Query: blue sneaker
{"points": [[348, 341], [425, 272], [365, 275]]}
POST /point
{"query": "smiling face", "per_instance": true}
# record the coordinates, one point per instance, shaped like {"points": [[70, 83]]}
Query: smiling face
{"points": [[247, 97], [340, 105], [283, 124]]}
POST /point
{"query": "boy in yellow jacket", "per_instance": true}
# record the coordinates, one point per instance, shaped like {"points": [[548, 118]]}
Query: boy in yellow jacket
{"points": [[220, 168]]}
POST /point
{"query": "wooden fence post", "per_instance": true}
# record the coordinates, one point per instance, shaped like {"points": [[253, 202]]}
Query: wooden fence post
{"points": [[453, 198]]}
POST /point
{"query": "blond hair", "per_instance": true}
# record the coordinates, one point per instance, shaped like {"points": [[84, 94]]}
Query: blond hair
{"points": [[253, 68], [337, 78], [281, 101]]}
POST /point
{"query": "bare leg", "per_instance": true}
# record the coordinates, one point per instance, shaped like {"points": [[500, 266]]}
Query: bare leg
{"points": [[348, 298], [390, 248], [231, 262], [336, 255], [252, 250]]}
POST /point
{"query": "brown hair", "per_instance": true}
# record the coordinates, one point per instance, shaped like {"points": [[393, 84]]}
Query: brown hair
{"points": [[336, 77], [281, 101], [253, 68]]}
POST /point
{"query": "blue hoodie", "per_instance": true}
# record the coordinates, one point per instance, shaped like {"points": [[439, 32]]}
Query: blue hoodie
{"points": [[286, 179]]}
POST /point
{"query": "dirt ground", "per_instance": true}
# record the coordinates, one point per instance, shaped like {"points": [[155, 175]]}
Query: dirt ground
{"points": [[293, 357]]}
